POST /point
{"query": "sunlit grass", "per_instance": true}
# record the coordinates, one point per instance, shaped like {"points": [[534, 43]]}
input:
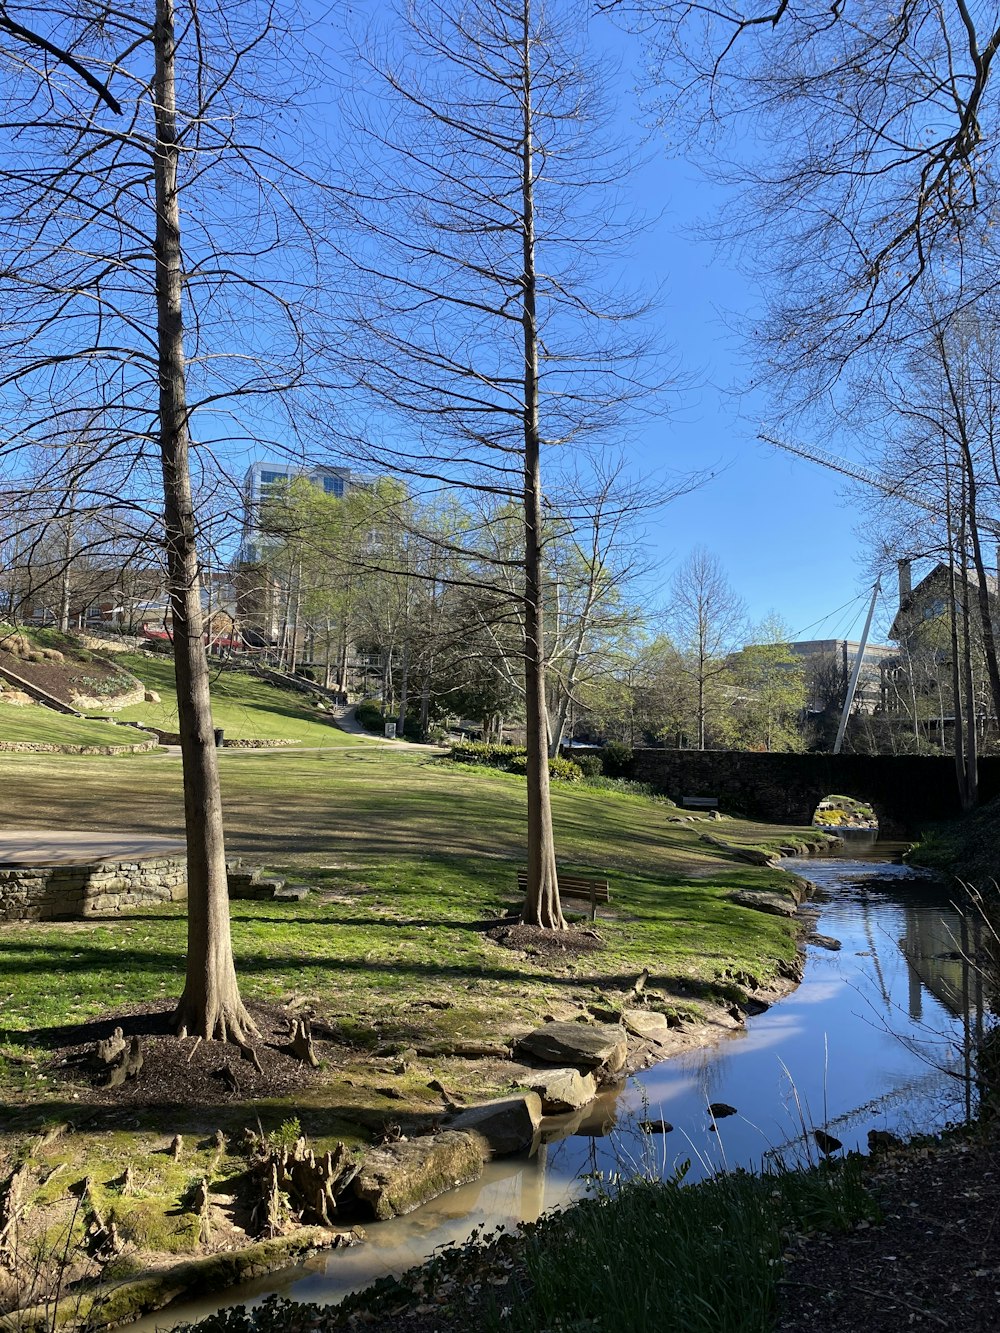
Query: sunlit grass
{"points": [[37, 725], [243, 705]]}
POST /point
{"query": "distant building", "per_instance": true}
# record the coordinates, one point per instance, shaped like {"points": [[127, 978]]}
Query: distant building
{"points": [[927, 600], [923, 686], [828, 665], [262, 476]]}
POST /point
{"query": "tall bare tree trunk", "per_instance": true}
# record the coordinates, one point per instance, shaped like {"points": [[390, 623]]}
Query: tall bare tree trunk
{"points": [[959, 409], [404, 688], [66, 592], [971, 711], [210, 1005], [541, 904]]}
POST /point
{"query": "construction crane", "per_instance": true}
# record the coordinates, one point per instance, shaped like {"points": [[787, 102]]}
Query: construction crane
{"points": [[893, 490]]}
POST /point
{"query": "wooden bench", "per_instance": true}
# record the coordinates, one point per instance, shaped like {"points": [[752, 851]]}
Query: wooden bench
{"points": [[575, 886], [700, 802]]}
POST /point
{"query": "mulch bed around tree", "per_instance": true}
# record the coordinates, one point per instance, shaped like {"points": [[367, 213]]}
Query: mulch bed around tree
{"points": [[541, 943], [180, 1072]]}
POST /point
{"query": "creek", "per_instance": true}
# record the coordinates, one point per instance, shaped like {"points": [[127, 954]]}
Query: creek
{"points": [[877, 1036]]}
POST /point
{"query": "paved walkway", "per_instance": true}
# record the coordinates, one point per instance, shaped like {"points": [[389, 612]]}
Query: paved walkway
{"points": [[45, 847]]}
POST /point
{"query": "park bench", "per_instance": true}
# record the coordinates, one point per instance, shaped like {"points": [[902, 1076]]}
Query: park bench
{"points": [[700, 802], [576, 886]]}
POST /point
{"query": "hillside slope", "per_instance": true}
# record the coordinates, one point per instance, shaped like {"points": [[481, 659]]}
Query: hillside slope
{"points": [[245, 707]]}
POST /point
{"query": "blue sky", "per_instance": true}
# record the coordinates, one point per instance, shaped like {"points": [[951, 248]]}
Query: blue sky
{"points": [[783, 529]]}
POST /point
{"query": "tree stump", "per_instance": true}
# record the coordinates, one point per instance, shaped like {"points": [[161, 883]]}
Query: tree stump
{"points": [[12, 1203], [301, 1044], [125, 1184], [292, 1179], [200, 1205], [111, 1049], [128, 1064]]}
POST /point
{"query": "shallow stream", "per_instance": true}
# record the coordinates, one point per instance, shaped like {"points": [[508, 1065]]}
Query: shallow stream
{"points": [[876, 1037]]}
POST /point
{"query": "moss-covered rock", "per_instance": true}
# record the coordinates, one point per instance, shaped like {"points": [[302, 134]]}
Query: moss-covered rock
{"points": [[399, 1177]]}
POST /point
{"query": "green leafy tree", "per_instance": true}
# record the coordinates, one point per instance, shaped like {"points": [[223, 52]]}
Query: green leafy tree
{"points": [[767, 684]]}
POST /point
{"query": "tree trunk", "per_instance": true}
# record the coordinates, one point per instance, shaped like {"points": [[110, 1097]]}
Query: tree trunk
{"points": [[971, 739], [210, 1005], [425, 705], [971, 491], [296, 618], [404, 688], [541, 904], [67, 569]]}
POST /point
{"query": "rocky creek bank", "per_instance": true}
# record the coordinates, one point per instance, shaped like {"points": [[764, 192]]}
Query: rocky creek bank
{"points": [[245, 1201]]}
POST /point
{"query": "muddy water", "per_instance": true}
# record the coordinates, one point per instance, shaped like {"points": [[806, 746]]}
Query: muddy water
{"points": [[875, 1037]]}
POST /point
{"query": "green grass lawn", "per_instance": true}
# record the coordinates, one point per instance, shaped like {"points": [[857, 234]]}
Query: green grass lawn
{"points": [[244, 706], [43, 726], [411, 858], [410, 853]]}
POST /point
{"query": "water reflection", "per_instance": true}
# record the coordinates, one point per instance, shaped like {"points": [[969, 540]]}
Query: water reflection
{"points": [[877, 1036]]}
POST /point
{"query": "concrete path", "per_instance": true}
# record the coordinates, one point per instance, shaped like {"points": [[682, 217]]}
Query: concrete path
{"points": [[46, 847], [344, 717]]}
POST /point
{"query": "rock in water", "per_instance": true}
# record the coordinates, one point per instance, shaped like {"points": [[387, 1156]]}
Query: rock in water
{"points": [[507, 1125], [563, 1089], [399, 1177], [826, 1143], [655, 1126]]}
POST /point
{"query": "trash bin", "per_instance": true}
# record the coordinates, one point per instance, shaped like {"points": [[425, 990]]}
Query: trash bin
{"points": [[220, 736]]}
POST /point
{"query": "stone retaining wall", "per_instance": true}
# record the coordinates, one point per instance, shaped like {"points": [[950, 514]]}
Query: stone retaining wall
{"points": [[247, 743], [44, 747], [52, 893], [112, 703]]}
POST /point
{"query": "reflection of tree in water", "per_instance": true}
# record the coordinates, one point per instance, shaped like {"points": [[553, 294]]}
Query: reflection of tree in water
{"points": [[944, 952], [936, 945]]}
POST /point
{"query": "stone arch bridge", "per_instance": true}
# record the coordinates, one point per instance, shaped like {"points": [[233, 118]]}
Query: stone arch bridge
{"points": [[906, 791]]}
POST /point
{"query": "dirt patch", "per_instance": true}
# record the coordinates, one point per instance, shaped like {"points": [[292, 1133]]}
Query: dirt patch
{"points": [[537, 942], [178, 1072], [934, 1261]]}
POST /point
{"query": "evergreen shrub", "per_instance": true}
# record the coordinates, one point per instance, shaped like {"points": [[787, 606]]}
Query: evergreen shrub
{"points": [[617, 760]]}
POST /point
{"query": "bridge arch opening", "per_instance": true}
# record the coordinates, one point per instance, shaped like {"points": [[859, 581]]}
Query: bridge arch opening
{"points": [[840, 814]]}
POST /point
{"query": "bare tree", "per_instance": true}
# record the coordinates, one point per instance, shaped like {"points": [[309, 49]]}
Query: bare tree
{"points": [[107, 305], [707, 618], [480, 318], [870, 165]]}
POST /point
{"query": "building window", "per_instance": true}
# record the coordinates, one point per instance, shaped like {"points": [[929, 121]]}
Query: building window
{"points": [[269, 478], [334, 486]]}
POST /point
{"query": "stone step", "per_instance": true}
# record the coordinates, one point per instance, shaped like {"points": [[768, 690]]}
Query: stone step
{"points": [[292, 892]]}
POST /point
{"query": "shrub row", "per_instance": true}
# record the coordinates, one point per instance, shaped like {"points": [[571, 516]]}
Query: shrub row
{"points": [[512, 759]]}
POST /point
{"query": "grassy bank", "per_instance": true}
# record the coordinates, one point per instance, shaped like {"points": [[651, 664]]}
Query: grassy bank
{"points": [[243, 705], [34, 725], [410, 859], [965, 848], [408, 856]]}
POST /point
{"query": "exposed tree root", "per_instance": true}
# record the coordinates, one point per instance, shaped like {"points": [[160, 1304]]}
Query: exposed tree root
{"points": [[228, 1022]]}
